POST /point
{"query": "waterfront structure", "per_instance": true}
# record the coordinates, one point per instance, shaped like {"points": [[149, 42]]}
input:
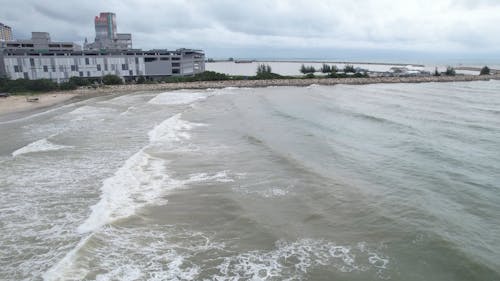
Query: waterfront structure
{"points": [[5, 32], [60, 65], [106, 36]]}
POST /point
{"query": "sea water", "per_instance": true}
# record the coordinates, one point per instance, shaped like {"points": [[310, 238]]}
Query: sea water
{"points": [[388, 181]]}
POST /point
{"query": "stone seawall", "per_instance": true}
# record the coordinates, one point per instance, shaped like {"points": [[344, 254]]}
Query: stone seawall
{"points": [[284, 82]]}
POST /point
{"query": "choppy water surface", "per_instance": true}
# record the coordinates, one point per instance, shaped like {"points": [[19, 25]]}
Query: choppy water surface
{"points": [[391, 182]]}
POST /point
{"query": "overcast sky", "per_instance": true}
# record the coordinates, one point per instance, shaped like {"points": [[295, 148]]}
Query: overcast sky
{"points": [[267, 28]]}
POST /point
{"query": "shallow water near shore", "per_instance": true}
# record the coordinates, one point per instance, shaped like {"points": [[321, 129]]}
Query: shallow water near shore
{"points": [[386, 181]]}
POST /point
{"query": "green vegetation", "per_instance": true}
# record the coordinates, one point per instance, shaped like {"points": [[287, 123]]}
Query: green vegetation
{"points": [[345, 75], [204, 76], [326, 68], [349, 69], [25, 85], [263, 68], [307, 69], [208, 76], [436, 72], [111, 80], [79, 81], [67, 86], [485, 71], [141, 80], [264, 71], [450, 71]]}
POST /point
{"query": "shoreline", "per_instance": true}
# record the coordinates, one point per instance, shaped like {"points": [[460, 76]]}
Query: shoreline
{"points": [[17, 104], [323, 61], [292, 83]]}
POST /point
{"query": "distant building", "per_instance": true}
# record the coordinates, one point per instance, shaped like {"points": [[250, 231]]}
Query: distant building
{"points": [[60, 65], [39, 42], [5, 32], [106, 36], [111, 53]]}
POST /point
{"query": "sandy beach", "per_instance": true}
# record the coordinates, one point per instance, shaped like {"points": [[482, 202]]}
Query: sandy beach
{"points": [[19, 103]]}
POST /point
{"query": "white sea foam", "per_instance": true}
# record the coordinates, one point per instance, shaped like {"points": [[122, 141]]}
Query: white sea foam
{"points": [[39, 146], [87, 112], [137, 183], [292, 260], [219, 177], [178, 97], [266, 189], [172, 129], [153, 252], [64, 267], [141, 180], [313, 86]]}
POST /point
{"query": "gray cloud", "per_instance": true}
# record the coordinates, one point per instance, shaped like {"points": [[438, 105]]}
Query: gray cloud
{"points": [[458, 26]]}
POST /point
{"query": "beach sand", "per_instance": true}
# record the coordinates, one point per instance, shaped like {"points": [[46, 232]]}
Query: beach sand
{"points": [[19, 103]]}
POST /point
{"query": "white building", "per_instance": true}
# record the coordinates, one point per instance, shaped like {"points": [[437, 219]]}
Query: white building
{"points": [[60, 65]]}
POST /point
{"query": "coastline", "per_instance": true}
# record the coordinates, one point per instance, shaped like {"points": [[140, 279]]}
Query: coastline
{"points": [[17, 103], [289, 82]]}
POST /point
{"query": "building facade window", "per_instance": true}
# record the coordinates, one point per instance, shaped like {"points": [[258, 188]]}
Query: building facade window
{"points": [[45, 68], [176, 64], [73, 68], [124, 66], [131, 73], [87, 61], [105, 67], [32, 62], [81, 73], [176, 71], [98, 67], [88, 73], [17, 68]]}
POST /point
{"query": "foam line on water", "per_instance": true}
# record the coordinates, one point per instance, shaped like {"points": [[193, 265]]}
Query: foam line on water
{"points": [[63, 267], [138, 182], [294, 259], [172, 129], [178, 98], [141, 180], [39, 146]]}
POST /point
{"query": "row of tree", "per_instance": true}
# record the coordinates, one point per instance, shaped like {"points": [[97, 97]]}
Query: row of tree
{"points": [[450, 71], [325, 68], [46, 85]]}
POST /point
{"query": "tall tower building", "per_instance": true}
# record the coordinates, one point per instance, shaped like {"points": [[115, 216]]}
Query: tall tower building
{"points": [[106, 36], [5, 33], [105, 27]]}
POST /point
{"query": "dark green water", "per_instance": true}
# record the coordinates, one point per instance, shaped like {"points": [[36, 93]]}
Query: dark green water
{"points": [[391, 182]]}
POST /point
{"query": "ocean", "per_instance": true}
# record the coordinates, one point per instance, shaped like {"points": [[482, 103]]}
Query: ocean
{"points": [[371, 182]]}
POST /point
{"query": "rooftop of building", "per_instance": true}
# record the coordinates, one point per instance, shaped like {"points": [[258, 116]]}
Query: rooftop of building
{"points": [[130, 52]]}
